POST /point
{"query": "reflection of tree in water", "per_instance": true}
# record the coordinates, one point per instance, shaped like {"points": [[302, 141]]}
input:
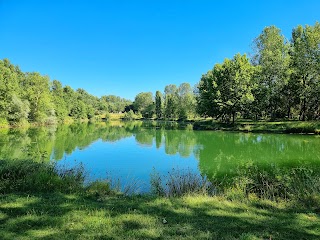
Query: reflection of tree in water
{"points": [[177, 141], [32, 143], [43, 143], [159, 138], [221, 154], [145, 136], [82, 135]]}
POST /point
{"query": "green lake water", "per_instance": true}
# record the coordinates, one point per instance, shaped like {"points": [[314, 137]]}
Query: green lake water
{"points": [[132, 151]]}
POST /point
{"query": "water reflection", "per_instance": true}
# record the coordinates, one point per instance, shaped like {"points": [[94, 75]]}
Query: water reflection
{"points": [[139, 147]]}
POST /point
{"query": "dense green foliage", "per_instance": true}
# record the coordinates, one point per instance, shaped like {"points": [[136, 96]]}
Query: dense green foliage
{"points": [[114, 104], [175, 103], [30, 176], [228, 87], [31, 97], [282, 80], [144, 104]]}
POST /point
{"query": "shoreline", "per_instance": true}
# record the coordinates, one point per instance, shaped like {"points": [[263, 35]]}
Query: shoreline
{"points": [[277, 127]]}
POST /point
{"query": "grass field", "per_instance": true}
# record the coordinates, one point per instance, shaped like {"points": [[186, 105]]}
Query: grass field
{"points": [[65, 216], [39, 201]]}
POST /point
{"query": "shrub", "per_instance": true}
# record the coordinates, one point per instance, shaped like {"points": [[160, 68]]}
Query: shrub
{"points": [[4, 123], [180, 182], [272, 182], [98, 189], [130, 116], [30, 176]]}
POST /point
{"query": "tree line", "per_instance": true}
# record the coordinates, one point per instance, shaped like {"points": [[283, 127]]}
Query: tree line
{"points": [[281, 80], [31, 97], [175, 103]]}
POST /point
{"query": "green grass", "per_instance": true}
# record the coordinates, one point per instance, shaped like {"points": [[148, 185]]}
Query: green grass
{"points": [[65, 216], [40, 201], [30, 176]]}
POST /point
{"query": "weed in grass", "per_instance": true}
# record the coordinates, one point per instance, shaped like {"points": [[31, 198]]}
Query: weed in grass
{"points": [[98, 190], [180, 182]]}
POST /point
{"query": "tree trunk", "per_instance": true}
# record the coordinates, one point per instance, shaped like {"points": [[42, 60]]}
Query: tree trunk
{"points": [[233, 117], [304, 110]]}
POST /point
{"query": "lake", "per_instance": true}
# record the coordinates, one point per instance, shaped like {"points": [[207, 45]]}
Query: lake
{"points": [[132, 151]]}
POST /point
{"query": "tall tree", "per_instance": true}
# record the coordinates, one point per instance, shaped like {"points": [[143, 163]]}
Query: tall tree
{"points": [[227, 88], [38, 94], [158, 101], [143, 103], [186, 101], [272, 56], [306, 65], [206, 106], [171, 103], [60, 105], [8, 87]]}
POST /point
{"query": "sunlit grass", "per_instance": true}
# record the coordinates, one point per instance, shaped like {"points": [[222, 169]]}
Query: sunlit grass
{"points": [[96, 211], [63, 216]]}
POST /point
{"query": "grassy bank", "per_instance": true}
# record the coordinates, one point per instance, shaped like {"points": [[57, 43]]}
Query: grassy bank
{"points": [[72, 216], [41, 201], [311, 127]]}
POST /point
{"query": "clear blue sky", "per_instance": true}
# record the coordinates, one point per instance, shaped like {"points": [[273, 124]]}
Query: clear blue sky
{"points": [[126, 47]]}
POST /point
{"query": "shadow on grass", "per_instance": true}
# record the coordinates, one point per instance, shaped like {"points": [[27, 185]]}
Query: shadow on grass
{"points": [[59, 216]]}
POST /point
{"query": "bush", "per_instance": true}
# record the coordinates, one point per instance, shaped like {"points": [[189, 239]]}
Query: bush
{"points": [[130, 116], [178, 183], [29, 176], [271, 182], [98, 190], [4, 123]]}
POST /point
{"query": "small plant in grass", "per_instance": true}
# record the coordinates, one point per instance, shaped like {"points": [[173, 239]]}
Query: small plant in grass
{"points": [[180, 182], [273, 183], [98, 190]]}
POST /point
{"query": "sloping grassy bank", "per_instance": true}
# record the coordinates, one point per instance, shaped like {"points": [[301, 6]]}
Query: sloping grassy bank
{"points": [[39, 201], [312, 127]]}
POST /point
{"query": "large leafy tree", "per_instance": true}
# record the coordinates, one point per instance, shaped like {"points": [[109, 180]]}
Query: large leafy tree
{"points": [[8, 87], [206, 106], [37, 92], [306, 65], [18, 110], [171, 103], [272, 57], [143, 103], [59, 101], [227, 88], [187, 102]]}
